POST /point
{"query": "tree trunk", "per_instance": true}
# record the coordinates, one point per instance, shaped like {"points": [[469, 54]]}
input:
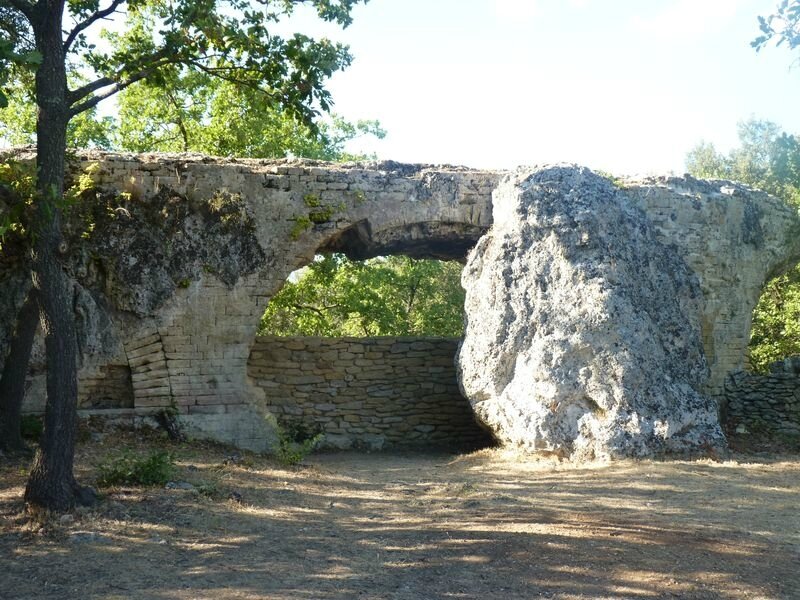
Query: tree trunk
{"points": [[52, 485], [12, 382]]}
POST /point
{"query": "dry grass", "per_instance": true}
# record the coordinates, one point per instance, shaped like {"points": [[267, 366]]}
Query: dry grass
{"points": [[415, 526]]}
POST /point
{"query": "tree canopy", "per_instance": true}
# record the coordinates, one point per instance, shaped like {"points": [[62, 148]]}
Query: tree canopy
{"points": [[199, 113], [46, 42], [184, 109], [767, 158], [393, 295]]}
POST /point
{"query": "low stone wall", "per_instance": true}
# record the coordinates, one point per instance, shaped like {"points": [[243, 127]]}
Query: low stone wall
{"points": [[99, 388], [370, 393], [767, 403]]}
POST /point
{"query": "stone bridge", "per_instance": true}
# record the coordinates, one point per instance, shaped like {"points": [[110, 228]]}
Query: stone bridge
{"points": [[191, 347]]}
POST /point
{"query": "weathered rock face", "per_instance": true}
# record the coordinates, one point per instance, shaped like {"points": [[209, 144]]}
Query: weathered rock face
{"points": [[583, 335]]}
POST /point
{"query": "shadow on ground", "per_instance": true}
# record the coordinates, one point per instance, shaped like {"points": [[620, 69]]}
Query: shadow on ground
{"points": [[419, 526]]}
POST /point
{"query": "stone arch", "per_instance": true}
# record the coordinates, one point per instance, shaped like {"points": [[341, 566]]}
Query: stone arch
{"points": [[206, 330], [408, 392], [439, 240], [732, 238]]}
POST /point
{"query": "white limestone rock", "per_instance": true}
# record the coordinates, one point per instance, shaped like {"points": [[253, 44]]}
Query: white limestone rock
{"points": [[583, 329]]}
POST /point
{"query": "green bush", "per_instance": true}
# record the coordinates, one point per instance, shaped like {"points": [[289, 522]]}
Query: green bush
{"points": [[296, 440], [31, 427], [132, 469]]}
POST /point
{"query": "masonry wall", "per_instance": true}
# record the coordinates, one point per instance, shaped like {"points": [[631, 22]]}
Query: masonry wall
{"points": [[733, 239], [367, 392], [105, 387], [767, 403]]}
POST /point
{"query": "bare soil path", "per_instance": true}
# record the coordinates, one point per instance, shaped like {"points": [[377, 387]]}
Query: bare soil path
{"points": [[414, 526]]}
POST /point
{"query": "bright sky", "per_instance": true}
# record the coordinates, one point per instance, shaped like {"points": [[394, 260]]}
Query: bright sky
{"points": [[626, 86]]}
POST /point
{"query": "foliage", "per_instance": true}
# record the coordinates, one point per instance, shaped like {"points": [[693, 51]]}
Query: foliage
{"points": [[167, 419], [776, 321], [31, 427], [296, 440], [132, 469], [393, 295], [233, 41], [186, 109], [769, 159], [17, 189], [18, 195], [17, 49], [783, 26], [18, 120], [195, 112]]}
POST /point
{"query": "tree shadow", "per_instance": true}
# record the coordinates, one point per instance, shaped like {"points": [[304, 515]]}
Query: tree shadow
{"points": [[422, 527]]}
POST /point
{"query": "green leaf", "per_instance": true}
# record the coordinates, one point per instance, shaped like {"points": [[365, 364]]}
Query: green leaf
{"points": [[32, 57]]}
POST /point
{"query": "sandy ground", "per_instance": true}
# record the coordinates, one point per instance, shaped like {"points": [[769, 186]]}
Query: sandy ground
{"points": [[414, 526]]}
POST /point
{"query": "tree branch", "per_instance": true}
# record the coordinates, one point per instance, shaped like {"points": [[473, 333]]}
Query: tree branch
{"points": [[316, 309], [100, 14], [116, 88], [179, 118], [23, 6], [218, 73], [83, 91], [155, 61]]}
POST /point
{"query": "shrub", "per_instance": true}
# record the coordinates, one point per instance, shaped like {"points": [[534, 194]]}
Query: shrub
{"points": [[128, 468], [296, 440], [31, 427]]}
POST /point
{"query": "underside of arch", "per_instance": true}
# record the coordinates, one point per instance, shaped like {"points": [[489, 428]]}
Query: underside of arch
{"points": [[438, 240]]}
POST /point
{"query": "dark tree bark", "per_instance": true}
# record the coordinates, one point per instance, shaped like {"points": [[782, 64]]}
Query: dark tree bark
{"points": [[52, 485], [12, 382]]}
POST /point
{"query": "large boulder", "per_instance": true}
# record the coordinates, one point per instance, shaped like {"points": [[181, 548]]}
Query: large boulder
{"points": [[583, 329]]}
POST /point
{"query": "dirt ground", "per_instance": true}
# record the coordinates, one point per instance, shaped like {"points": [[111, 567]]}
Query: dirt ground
{"points": [[413, 526]]}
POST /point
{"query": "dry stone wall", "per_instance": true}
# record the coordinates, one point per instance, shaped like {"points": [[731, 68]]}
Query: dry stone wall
{"points": [[372, 393], [766, 403]]}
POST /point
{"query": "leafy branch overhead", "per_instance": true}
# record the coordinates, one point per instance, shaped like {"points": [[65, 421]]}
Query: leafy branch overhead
{"points": [[783, 26], [393, 295], [231, 41]]}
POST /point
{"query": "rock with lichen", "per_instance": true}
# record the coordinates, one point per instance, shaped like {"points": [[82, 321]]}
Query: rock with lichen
{"points": [[583, 328]]}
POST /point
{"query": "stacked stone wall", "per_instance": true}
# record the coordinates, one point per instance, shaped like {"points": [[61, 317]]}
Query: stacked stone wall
{"points": [[107, 387], [765, 403], [367, 392]]}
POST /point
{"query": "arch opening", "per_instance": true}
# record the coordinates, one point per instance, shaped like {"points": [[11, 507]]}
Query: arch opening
{"points": [[363, 352], [764, 397], [438, 240]]}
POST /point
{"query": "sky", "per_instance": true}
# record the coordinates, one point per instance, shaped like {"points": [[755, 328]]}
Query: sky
{"points": [[624, 86]]}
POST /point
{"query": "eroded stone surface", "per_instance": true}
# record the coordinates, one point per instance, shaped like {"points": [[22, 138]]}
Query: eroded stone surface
{"points": [[583, 329]]}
